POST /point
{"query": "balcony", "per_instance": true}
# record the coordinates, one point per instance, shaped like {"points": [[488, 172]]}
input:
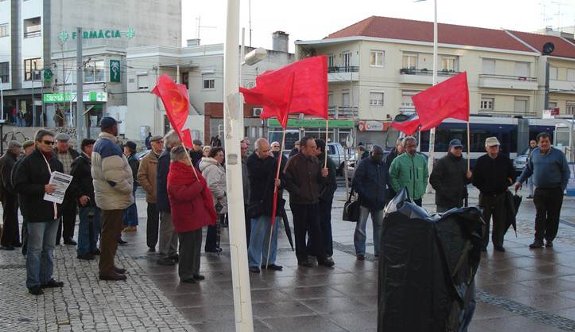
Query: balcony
{"points": [[342, 74], [342, 112], [423, 76], [507, 82], [562, 86]]}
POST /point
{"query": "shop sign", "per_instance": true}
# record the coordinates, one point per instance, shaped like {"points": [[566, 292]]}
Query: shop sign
{"points": [[92, 96], [371, 125], [98, 34], [313, 123]]}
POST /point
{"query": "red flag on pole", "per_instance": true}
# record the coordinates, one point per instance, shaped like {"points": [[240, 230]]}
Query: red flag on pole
{"points": [[448, 99], [300, 87], [177, 104], [406, 124]]}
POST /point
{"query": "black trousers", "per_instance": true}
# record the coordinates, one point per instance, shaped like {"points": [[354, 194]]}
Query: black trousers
{"points": [[213, 235], [10, 234], [493, 206], [325, 225], [152, 225], [306, 219], [548, 203], [190, 250], [67, 221]]}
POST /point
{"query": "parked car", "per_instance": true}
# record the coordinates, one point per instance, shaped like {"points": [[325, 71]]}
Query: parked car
{"points": [[520, 162], [338, 155]]}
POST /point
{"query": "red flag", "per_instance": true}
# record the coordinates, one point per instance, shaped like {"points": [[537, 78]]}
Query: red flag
{"points": [[448, 99], [177, 104], [300, 87], [406, 124]]}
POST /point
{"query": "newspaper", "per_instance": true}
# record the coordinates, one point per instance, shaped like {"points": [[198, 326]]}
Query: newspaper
{"points": [[62, 181]]}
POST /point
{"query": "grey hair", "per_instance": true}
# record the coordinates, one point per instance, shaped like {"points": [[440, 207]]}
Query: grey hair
{"points": [[171, 139], [178, 153], [41, 133], [409, 139], [13, 145], [259, 142]]}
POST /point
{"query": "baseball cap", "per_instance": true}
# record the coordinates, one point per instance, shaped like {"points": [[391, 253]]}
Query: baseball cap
{"points": [[197, 142], [62, 137], [156, 138], [491, 141], [107, 122], [455, 143]]}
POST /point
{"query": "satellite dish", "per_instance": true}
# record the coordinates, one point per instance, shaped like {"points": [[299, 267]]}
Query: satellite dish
{"points": [[548, 48]]}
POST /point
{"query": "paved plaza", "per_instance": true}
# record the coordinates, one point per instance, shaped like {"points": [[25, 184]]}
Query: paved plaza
{"points": [[519, 290]]}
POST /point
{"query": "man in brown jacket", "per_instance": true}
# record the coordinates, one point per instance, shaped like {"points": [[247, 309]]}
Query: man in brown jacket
{"points": [[147, 179]]}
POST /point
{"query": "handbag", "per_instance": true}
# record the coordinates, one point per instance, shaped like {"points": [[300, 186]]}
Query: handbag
{"points": [[351, 208]]}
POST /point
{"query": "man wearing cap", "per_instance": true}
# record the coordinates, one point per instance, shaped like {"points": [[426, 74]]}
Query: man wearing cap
{"points": [[492, 174], [10, 235], [65, 154], [197, 153], [28, 147], [450, 178], [147, 173], [548, 168], [113, 184]]}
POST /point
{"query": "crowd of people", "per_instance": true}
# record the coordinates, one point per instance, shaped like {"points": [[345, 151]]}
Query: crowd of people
{"points": [[186, 192]]}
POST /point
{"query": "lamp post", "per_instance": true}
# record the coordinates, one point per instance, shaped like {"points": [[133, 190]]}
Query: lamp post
{"points": [[548, 48]]}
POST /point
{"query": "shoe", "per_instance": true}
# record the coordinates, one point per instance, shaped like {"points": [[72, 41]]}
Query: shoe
{"points": [[254, 269], [175, 258], [96, 252], [122, 242], [113, 277], [499, 248], [6, 248], [305, 262], [151, 249], [53, 284], [530, 197], [188, 281], [17, 245], [549, 244], [35, 290], [70, 242], [536, 244], [166, 261], [199, 277], [119, 270], [273, 267], [216, 250], [86, 257], [360, 257], [130, 229], [326, 262]]}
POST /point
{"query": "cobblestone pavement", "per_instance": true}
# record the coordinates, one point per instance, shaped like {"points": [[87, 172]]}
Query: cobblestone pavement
{"points": [[519, 290]]}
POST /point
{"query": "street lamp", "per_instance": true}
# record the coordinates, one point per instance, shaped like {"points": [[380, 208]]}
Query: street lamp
{"points": [[548, 48]]}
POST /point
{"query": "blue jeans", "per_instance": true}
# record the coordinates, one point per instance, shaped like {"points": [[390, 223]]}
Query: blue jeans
{"points": [[88, 230], [40, 252], [359, 235], [131, 213], [260, 241]]}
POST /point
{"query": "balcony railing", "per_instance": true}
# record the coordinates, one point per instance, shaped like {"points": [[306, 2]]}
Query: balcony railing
{"points": [[342, 112], [343, 69], [509, 77], [425, 71]]}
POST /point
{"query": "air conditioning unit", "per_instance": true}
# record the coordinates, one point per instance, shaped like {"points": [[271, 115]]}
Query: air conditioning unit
{"points": [[257, 111]]}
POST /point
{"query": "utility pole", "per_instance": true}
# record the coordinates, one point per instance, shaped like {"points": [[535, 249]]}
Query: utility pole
{"points": [[79, 88]]}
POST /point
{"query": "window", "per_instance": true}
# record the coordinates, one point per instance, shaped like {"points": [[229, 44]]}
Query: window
{"points": [[488, 66], [346, 60], [94, 72], [32, 69], [449, 64], [522, 69], [570, 108], [345, 102], [406, 101], [33, 27], [571, 75], [409, 61], [5, 72], [142, 81], [330, 61], [487, 104], [4, 32], [521, 105], [209, 83], [376, 98], [552, 73], [376, 58]]}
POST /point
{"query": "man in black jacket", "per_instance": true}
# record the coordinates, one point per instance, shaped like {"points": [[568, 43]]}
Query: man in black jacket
{"points": [[450, 178], [31, 182], [66, 154], [10, 236], [492, 175], [326, 192], [370, 181], [82, 189]]}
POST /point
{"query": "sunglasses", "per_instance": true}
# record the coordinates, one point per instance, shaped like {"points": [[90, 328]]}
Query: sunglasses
{"points": [[48, 142]]}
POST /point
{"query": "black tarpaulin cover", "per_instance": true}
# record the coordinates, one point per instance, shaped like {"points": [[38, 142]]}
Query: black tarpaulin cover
{"points": [[427, 265]]}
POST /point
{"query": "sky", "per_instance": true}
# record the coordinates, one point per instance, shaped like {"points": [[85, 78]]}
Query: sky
{"points": [[315, 19]]}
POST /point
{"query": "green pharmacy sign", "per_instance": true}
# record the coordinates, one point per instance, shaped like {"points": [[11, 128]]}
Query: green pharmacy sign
{"points": [[98, 34], [115, 71], [92, 96], [313, 123]]}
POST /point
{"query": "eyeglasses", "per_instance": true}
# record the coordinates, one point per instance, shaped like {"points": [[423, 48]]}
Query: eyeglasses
{"points": [[48, 142]]}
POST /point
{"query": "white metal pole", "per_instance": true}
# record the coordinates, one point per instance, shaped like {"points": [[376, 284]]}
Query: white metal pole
{"points": [[233, 130], [79, 88], [433, 82], [2, 98]]}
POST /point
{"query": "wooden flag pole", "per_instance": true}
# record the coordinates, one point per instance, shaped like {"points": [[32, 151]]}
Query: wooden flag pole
{"points": [[468, 146], [275, 195]]}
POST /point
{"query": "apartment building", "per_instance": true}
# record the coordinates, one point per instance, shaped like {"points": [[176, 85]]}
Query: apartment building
{"points": [[377, 65], [38, 43]]}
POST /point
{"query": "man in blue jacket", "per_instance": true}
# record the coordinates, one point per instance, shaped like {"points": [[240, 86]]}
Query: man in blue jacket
{"points": [[550, 174], [371, 183]]}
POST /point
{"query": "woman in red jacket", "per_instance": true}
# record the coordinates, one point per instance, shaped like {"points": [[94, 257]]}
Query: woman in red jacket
{"points": [[192, 208]]}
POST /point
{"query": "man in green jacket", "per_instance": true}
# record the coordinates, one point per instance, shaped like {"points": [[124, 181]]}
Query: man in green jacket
{"points": [[409, 170]]}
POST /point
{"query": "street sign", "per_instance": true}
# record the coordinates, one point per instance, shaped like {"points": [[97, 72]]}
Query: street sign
{"points": [[115, 71]]}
